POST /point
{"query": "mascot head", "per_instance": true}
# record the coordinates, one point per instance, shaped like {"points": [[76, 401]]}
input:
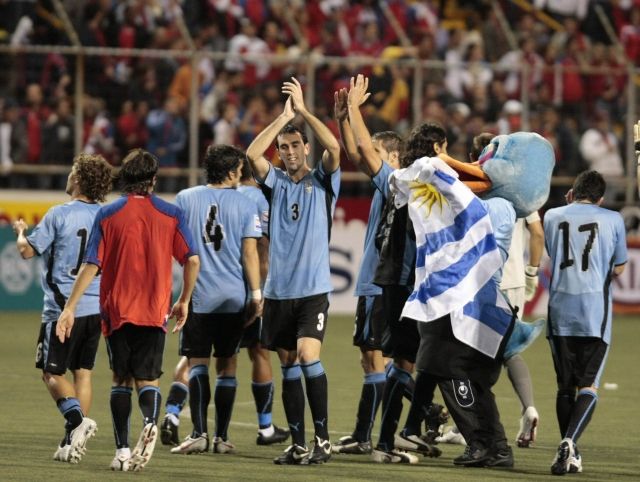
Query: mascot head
{"points": [[516, 167]]}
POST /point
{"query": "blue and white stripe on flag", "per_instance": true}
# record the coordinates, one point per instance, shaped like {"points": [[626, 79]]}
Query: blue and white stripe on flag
{"points": [[457, 255]]}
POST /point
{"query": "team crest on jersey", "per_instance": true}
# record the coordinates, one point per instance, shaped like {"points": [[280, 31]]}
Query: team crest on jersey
{"points": [[463, 393], [308, 187]]}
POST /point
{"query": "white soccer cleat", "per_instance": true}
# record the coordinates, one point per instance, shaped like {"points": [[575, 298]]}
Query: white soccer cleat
{"points": [[78, 439], [562, 460], [413, 443], [575, 462], [190, 445], [62, 453], [395, 456], [453, 436], [143, 450], [121, 462], [222, 446], [528, 428]]}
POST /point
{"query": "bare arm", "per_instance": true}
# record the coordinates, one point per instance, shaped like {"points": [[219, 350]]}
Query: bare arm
{"points": [[67, 317], [251, 265], [617, 270], [263, 255], [256, 150], [331, 156], [24, 248], [536, 243], [371, 162], [180, 308], [346, 135]]}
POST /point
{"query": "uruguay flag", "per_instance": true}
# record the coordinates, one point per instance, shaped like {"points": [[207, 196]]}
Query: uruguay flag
{"points": [[457, 255]]}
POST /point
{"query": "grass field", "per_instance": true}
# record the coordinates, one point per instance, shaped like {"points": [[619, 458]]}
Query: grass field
{"points": [[32, 426]]}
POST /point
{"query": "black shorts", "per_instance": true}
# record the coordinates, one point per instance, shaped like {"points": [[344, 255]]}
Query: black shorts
{"points": [[77, 352], [202, 331], [578, 360], [402, 338], [284, 321], [136, 351], [251, 334], [369, 323]]}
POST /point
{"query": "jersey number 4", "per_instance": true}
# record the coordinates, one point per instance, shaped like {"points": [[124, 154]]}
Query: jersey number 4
{"points": [[213, 232], [592, 228]]}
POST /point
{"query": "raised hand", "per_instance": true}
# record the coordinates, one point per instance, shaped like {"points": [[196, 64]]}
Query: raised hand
{"points": [[288, 111], [294, 90], [358, 90], [340, 107]]}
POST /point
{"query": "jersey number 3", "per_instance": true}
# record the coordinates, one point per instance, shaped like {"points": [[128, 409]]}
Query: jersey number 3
{"points": [[213, 232], [592, 228]]}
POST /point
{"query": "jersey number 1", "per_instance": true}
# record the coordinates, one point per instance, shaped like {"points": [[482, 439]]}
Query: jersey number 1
{"points": [[82, 234], [213, 232], [593, 231]]}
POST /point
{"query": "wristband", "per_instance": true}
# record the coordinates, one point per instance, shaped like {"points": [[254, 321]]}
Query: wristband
{"points": [[531, 270], [255, 295]]}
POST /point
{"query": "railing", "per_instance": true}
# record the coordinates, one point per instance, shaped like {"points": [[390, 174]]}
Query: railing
{"points": [[417, 73]]}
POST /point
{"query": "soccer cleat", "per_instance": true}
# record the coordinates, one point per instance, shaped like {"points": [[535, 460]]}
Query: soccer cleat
{"points": [[320, 454], [221, 446], [528, 428], [192, 445], [143, 450], [62, 453], [561, 462], [169, 431], [437, 416], [473, 457], [78, 439], [575, 462], [395, 456], [293, 455], [279, 435], [502, 457], [120, 463], [349, 445], [413, 443], [453, 436]]}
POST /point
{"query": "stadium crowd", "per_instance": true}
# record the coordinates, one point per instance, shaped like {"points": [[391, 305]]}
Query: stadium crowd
{"points": [[576, 82]]}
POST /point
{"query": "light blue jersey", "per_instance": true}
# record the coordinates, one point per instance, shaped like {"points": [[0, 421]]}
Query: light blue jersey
{"points": [[219, 219], [299, 229], [255, 193], [584, 242], [61, 239], [503, 219], [370, 256]]}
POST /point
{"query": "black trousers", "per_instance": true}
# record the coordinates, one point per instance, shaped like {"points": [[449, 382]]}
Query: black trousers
{"points": [[465, 377]]}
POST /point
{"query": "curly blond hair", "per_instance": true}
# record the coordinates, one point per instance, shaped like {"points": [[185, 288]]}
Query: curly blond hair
{"points": [[94, 175]]}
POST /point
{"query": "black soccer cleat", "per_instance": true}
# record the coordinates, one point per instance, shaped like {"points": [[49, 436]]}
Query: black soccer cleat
{"points": [[293, 455], [320, 454], [169, 432], [473, 456], [279, 435], [501, 457]]}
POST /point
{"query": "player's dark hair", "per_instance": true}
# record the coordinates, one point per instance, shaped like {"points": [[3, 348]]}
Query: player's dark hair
{"points": [[220, 161], [94, 175], [590, 186], [421, 142], [478, 144], [391, 141], [291, 129], [246, 172], [139, 167]]}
